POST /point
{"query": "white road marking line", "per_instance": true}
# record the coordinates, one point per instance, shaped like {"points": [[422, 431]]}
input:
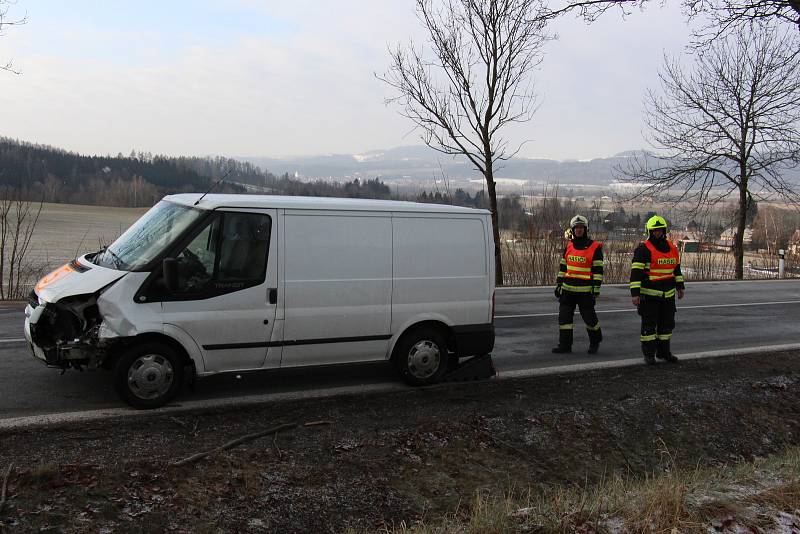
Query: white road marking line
{"points": [[16, 423], [691, 282], [632, 309], [551, 314], [188, 406]]}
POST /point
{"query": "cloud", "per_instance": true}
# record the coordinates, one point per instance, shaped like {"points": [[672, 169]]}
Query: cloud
{"points": [[305, 84]]}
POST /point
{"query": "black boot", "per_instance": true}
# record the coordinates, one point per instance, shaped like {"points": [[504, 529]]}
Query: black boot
{"points": [[663, 352], [595, 337], [564, 341], [649, 350]]}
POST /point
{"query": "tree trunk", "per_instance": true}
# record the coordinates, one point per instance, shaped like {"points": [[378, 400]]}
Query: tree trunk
{"points": [[738, 239], [498, 260]]}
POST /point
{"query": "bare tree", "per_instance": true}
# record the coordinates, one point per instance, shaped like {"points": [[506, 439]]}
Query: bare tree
{"points": [[730, 12], [5, 22], [591, 10], [18, 219], [476, 81], [724, 13], [728, 126], [719, 17]]}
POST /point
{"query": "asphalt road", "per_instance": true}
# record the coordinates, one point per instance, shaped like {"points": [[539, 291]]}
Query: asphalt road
{"points": [[712, 316]]}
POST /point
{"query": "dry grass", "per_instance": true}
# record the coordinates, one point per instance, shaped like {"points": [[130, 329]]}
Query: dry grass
{"points": [[534, 262], [747, 494]]}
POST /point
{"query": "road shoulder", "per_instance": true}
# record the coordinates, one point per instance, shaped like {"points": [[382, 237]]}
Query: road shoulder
{"points": [[375, 459]]}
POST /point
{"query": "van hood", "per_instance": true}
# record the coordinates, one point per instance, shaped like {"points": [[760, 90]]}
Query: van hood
{"points": [[78, 277]]}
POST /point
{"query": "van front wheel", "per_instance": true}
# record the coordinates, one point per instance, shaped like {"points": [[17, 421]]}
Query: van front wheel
{"points": [[421, 357], [148, 375]]}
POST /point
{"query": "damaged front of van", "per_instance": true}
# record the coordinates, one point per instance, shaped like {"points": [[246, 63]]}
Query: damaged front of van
{"points": [[83, 314], [63, 321]]}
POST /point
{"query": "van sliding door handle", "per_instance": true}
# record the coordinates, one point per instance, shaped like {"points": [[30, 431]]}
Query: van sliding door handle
{"points": [[273, 295]]}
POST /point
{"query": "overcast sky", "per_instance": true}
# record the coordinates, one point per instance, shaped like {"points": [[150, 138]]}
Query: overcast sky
{"points": [[279, 78]]}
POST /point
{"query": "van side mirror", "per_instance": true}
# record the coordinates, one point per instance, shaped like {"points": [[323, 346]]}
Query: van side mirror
{"points": [[169, 268]]}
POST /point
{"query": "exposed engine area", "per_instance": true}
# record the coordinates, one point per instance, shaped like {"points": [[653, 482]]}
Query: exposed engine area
{"points": [[67, 332]]}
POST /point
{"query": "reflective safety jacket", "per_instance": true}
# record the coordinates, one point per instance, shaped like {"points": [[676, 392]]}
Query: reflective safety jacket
{"points": [[656, 269], [581, 269]]}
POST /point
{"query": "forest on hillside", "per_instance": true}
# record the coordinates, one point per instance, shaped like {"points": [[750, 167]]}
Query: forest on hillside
{"points": [[38, 172], [140, 179]]}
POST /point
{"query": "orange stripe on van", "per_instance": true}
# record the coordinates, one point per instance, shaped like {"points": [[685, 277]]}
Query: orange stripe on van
{"points": [[58, 274]]}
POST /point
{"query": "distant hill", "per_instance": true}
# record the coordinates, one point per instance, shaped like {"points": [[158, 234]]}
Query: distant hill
{"points": [[140, 179], [420, 164]]}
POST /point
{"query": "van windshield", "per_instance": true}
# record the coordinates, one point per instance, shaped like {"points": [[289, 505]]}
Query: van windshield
{"points": [[148, 236]]}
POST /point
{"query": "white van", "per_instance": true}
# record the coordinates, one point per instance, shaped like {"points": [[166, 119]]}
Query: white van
{"points": [[223, 283]]}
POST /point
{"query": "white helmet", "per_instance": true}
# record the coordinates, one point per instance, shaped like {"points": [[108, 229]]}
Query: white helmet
{"points": [[579, 220]]}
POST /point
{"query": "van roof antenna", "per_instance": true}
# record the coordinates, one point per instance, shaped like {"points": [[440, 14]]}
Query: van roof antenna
{"points": [[215, 184]]}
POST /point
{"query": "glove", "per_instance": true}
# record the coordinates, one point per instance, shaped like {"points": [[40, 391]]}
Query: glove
{"points": [[594, 299], [558, 292]]}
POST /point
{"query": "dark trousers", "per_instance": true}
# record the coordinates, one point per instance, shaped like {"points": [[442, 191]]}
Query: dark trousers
{"points": [[658, 321], [566, 311]]}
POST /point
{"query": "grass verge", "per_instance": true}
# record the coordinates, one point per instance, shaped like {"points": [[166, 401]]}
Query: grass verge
{"points": [[762, 495]]}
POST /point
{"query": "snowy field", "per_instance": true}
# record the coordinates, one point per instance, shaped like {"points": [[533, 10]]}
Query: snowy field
{"points": [[67, 230]]}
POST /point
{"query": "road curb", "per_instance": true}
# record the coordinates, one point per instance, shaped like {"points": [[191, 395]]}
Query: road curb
{"points": [[628, 362], [34, 421]]}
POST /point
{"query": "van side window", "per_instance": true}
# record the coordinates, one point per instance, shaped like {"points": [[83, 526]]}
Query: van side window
{"points": [[229, 254], [245, 241], [196, 261]]}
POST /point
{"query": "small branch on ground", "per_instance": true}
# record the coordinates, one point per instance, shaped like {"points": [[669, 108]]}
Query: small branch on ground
{"points": [[234, 443], [275, 444], [624, 456], [179, 422], [317, 423], [509, 446], [5, 486]]}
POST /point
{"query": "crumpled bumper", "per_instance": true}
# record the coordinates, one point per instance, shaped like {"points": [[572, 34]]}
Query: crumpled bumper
{"points": [[32, 316]]}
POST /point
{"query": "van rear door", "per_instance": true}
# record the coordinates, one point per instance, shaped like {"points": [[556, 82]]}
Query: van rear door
{"points": [[441, 270]]}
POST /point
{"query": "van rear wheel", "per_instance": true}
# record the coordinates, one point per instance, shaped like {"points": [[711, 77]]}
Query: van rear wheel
{"points": [[148, 375], [421, 357]]}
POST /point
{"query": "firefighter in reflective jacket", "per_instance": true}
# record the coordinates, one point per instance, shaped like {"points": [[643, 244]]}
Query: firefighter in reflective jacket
{"points": [[655, 280], [578, 282]]}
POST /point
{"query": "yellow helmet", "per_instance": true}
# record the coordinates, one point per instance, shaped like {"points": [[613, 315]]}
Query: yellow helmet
{"points": [[656, 222]]}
